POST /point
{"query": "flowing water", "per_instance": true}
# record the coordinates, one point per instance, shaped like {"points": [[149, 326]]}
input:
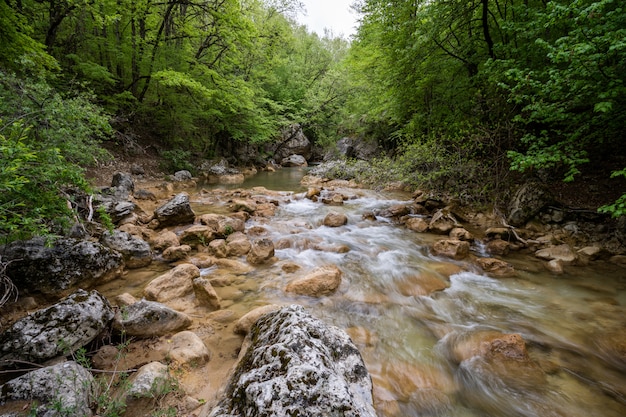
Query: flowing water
{"points": [[420, 345]]}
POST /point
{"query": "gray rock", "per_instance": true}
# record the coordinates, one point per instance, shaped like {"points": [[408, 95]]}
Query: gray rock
{"points": [[294, 161], [57, 330], [182, 176], [38, 267], [148, 379], [124, 183], [527, 203], [217, 167], [62, 390], [149, 318], [357, 148], [115, 208], [137, 169], [297, 365], [136, 252], [176, 211], [143, 194], [292, 142]]}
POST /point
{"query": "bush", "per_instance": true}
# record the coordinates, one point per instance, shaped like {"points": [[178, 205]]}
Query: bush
{"points": [[31, 183]]}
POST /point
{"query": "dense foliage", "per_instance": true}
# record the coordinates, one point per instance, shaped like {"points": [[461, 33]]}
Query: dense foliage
{"points": [[456, 93], [196, 78], [528, 85]]}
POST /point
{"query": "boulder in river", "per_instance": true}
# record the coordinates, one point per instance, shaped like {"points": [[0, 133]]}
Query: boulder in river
{"points": [[297, 365], [321, 281], [37, 266], [335, 219], [261, 251], [496, 267], [66, 384], [176, 211], [57, 330], [451, 248]]}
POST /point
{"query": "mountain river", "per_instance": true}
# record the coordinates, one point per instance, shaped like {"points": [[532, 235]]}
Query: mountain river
{"points": [[420, 345]]}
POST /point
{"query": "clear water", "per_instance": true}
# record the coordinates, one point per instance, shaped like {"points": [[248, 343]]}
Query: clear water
{"points": [[421, 347]]}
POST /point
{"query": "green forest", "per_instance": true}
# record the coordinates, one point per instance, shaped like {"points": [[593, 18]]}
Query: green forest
{"points": [[459, 95]]}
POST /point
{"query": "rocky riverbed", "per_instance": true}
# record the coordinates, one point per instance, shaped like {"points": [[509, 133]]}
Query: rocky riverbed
{"points": [[170, 321]]}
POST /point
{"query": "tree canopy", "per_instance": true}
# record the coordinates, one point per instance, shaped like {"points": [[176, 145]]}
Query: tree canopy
{"points": [[456, 93]]}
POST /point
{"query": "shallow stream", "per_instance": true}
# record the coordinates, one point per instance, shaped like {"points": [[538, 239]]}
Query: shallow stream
{"points": [[419, 345]]}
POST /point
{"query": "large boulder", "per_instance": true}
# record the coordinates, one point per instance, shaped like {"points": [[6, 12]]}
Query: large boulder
{"points": [[36, 266], [292, 142], [136, 252], [527, 202], [149, 319], [57, 330], [297, 365], [176, 211], [67, 384]]}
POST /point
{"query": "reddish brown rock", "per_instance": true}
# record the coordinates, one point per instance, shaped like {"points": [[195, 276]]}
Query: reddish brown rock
{"points": [[498, 247], [320, 281], [261, 251], [455, 249], [496, 267], [334, 219], [417, 224], [422, 284]]}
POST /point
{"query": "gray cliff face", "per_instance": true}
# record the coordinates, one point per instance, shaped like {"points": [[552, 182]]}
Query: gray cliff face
{"points": [[297, 365]]}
